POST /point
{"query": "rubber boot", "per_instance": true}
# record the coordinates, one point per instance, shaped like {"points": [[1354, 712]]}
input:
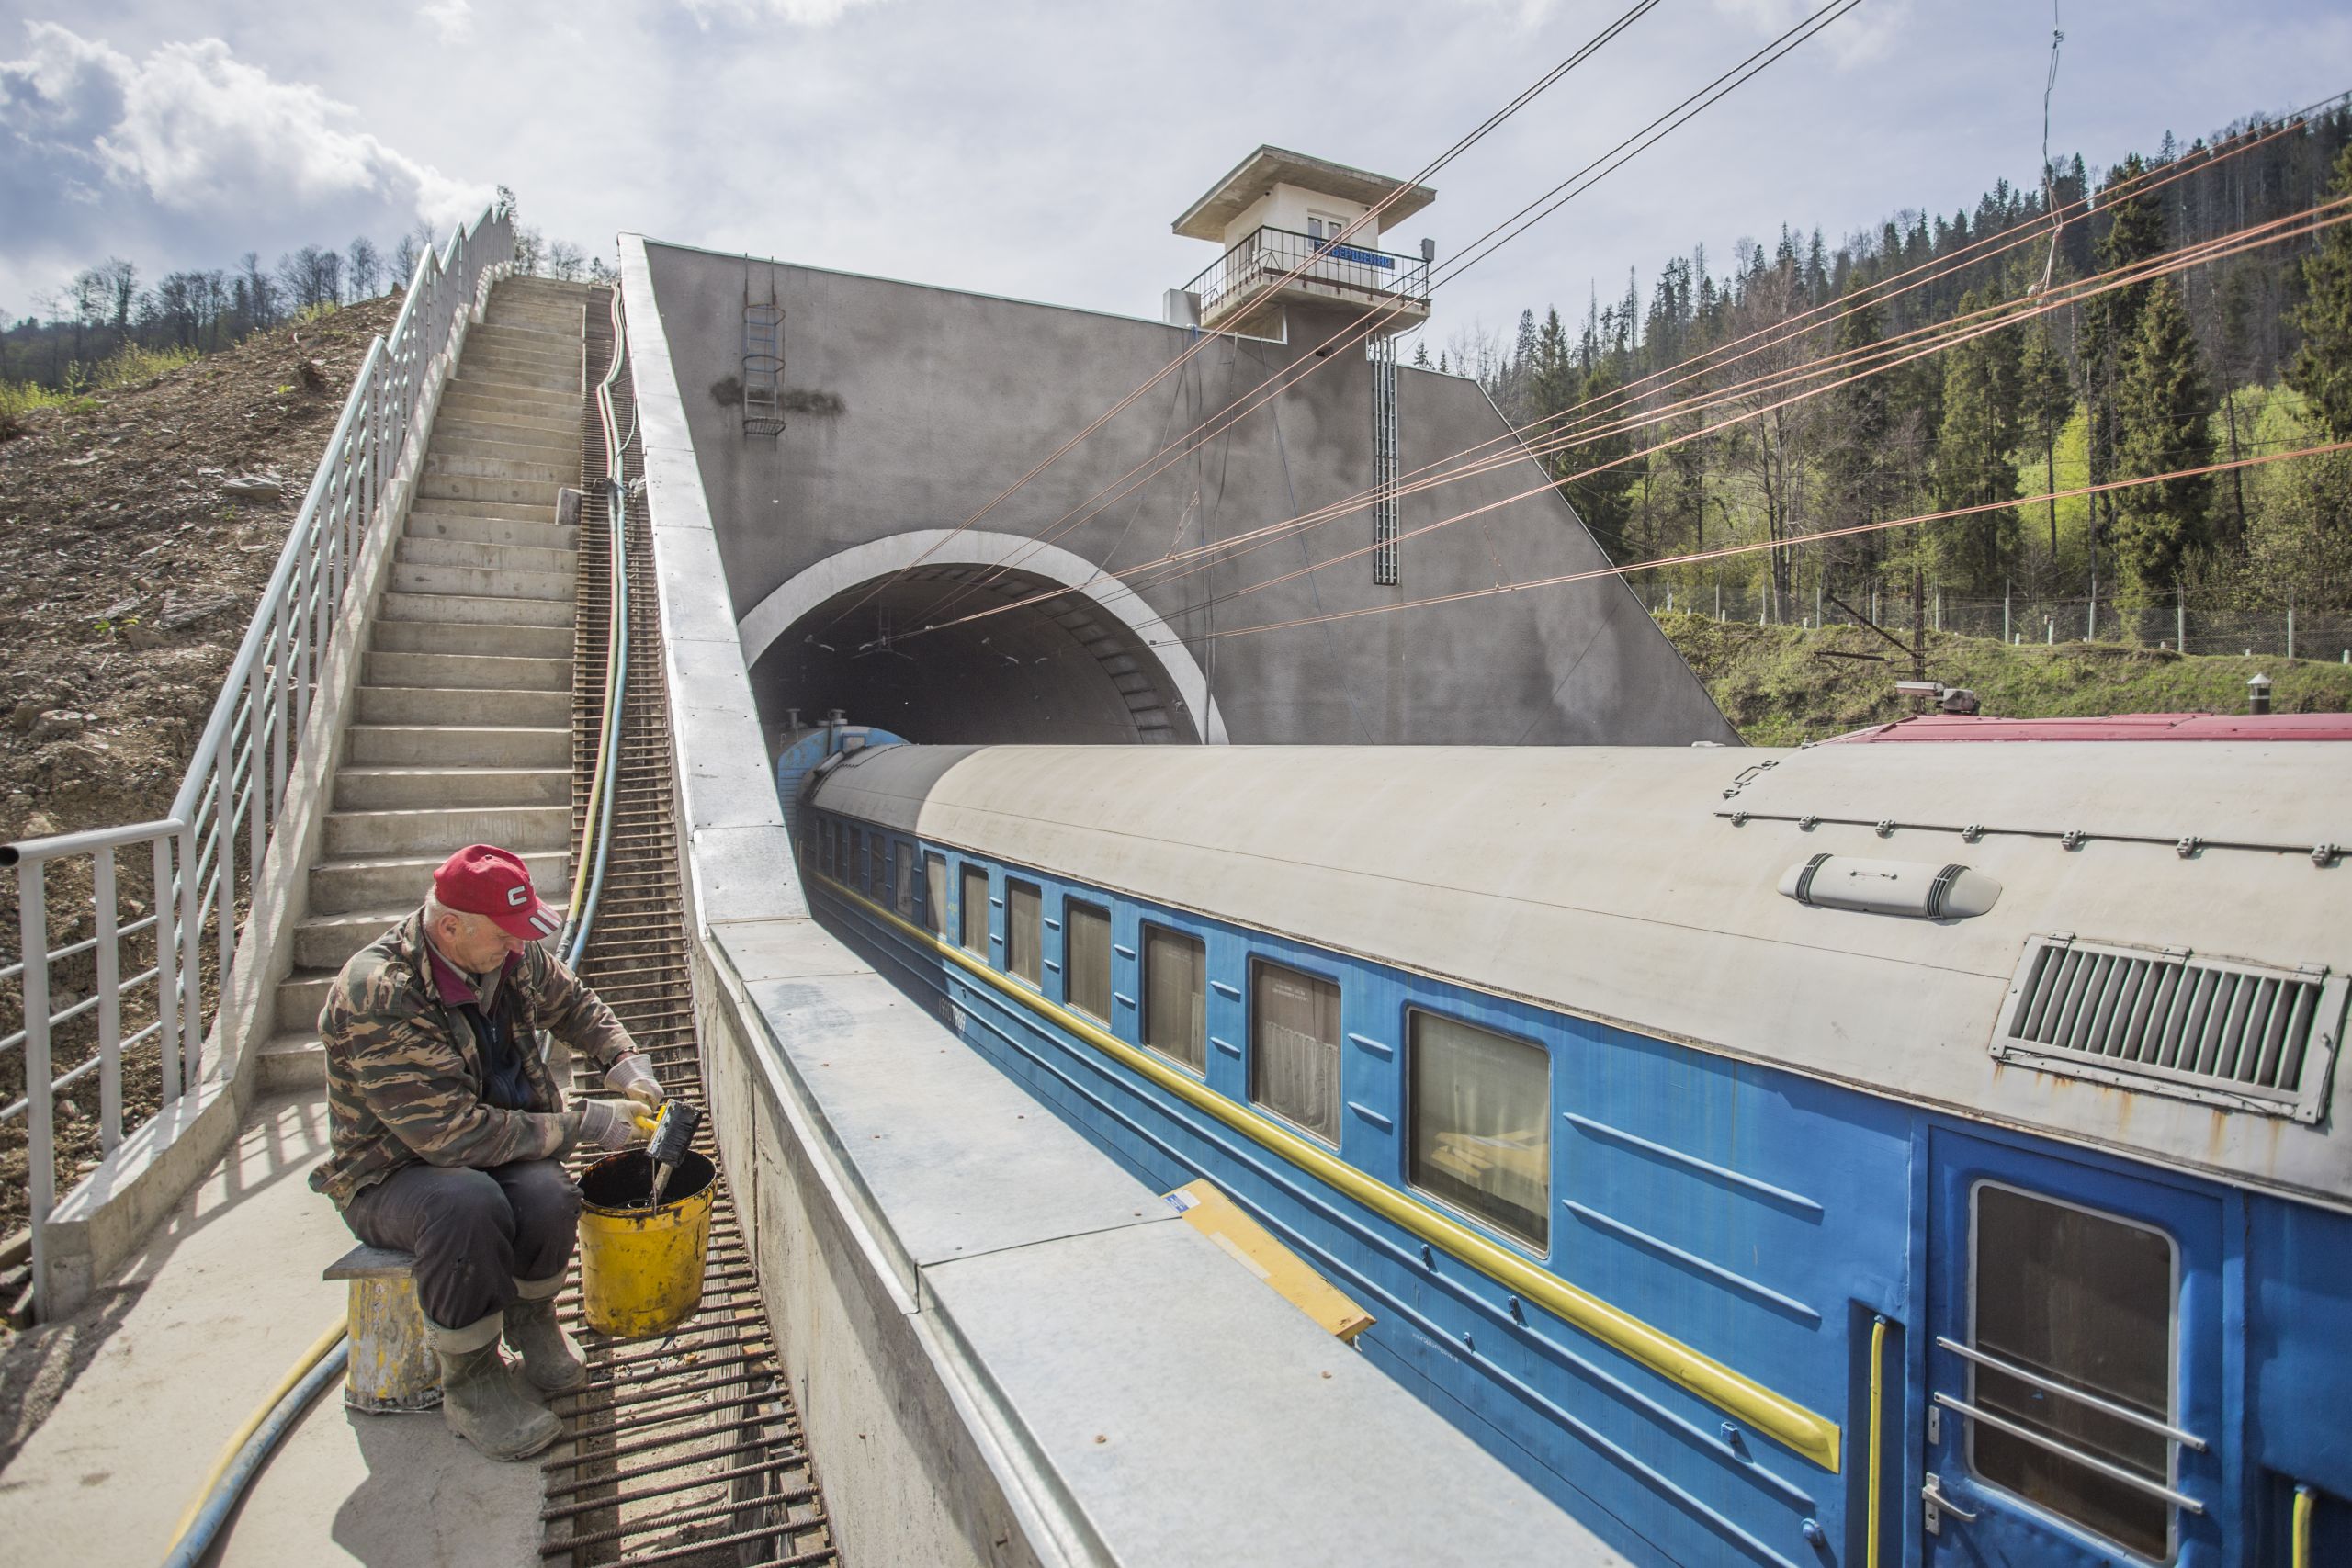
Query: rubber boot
{"points": [[485, 1401], [551, 1358]]}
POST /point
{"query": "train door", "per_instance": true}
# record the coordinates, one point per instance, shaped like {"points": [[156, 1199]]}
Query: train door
{"points": [[2074, 1363]]}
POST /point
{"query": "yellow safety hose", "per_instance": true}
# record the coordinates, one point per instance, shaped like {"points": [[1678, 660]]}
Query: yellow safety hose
{"points": [[2305, 1502], [319, 1349]]}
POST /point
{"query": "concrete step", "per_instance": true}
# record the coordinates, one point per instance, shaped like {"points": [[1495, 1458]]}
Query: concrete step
{"points": [[541, 512], [496, 558], [341, 887], [505, 423], [301, 996], [545, 320], [444, 830], [456, 746], [461, 706], [465, 671], [325, 941], [530, 337], [472, 787], [293, 1062], [401, 789], [439, 465], [559, 449], [535, 495], [489, 639], [483, 374], [468, 610], [550, 353], [491, 531], [482, 582], [466, 396]]}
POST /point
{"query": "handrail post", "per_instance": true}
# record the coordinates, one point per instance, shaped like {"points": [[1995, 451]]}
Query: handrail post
{"points": [[40, 1168], [167, 972], [109, 959], [191, 973]]}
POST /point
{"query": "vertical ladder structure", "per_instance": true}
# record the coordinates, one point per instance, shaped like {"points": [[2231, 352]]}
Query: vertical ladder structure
{"points": [[763, 369], [1383, 352]]}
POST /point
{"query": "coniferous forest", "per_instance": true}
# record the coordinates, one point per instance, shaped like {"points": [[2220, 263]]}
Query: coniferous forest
{"points": [[2110, 356]]}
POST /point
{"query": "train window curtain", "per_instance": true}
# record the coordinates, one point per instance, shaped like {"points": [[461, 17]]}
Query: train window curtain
{"points": [[1295, 1048], [1086, 960], [1480, 1123], [1175, 997]]}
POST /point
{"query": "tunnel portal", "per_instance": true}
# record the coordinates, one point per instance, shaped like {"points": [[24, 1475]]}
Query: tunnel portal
{"points": [[1053, 668]]}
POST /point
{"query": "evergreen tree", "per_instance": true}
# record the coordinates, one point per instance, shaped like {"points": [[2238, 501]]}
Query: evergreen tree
{"points": [[2135, 233], [1972, 461], [1854, 472], [1601, 499], [2322, 371], [2045, 401], [2165, 408]]}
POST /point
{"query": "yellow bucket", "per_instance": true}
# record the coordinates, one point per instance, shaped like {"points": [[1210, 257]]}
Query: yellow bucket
{"points": [[640, 1269]]}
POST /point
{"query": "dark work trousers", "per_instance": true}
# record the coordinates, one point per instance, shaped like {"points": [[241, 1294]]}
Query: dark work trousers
{"points": [[474, 1231]]}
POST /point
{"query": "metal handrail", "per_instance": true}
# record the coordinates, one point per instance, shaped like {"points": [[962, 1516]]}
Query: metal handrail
{"points": [[2090, 1461], [245, 759], [2122, 1412], [1267, 258]]}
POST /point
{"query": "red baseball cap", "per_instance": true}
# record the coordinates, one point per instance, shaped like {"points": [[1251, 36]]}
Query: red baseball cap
{"points": [[482, 879]]}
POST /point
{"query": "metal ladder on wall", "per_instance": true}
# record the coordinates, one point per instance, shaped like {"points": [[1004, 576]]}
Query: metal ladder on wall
{"points": [[1383, 354], [763, 369]]}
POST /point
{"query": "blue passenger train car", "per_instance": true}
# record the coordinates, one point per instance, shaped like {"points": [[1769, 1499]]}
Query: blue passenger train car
{"points": [[1885, 1152]]}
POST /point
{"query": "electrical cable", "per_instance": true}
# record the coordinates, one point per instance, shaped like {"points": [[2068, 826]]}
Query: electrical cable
{"points": [[595, 829], [1269, 290], [1867, 297], [1365, 325], [2008, 314], [241, 1456], [1726, 551]]}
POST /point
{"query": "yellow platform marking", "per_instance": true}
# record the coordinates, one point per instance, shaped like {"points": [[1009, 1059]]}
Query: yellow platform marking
{"points": [[1775, 1415], [1252, 1245]]}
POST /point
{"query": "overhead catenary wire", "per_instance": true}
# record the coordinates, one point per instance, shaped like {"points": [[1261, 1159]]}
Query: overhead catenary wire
{"points": [[1713, 359], [1462, 144], [1761, 546], [1370, 322], [2007, 314]]}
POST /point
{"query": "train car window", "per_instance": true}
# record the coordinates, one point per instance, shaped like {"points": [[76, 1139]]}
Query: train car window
{"points": [[1478, 1114], [1086, 958], [869, 852], [906, 858], [1175, 996], [2084, 1301], [975, 929], [1025, 933], [934, 892], [1294, 1047], [832, 849]]}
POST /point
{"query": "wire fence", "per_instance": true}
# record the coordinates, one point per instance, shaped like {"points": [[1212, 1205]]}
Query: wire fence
{"points": [[2282, 631]]}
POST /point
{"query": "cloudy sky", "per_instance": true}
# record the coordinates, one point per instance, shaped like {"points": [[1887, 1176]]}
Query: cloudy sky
{"points": [[1039, 149]]}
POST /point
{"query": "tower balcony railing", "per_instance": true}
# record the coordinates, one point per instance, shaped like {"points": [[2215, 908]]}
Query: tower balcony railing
{"points": [[1268, 264]]}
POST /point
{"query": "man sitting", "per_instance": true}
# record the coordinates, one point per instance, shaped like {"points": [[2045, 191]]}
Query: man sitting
{"points": [[448, 1127]]}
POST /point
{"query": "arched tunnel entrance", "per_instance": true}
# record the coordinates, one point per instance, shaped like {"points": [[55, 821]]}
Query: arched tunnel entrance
{"points": [[1067, 669]]}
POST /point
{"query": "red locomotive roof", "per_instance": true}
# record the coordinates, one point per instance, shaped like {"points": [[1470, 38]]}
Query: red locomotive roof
{"points": [[2115, 727]]}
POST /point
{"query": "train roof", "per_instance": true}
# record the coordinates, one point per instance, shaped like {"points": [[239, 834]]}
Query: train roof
{"points": [[2111, 726], [1654, 888]]}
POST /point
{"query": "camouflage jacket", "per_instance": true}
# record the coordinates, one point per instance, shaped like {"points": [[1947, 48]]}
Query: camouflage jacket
{"points": [[405, 1075]]}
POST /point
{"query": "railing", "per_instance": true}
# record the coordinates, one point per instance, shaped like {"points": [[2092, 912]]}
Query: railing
{"points": [[1266, 257], [188, 863]]}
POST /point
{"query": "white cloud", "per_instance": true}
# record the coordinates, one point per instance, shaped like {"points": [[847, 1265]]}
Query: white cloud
{"points": [[191, 138], [453, 20]]}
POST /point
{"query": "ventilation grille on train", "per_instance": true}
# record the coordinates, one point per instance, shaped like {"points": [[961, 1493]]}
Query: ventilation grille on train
{"points": [[2242, 1035]]}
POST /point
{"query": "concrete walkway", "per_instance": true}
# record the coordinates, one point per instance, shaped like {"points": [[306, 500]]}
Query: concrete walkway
{"points": [[193, 1334]]}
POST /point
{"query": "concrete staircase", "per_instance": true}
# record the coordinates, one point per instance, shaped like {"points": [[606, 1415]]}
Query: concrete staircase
{"points": [[461, 728]]}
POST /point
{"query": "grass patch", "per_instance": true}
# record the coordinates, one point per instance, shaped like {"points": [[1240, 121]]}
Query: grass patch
{"points": [[1772, 683], [131, 366]]}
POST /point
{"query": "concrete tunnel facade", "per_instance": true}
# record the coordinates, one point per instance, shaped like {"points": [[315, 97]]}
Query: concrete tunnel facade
{"points": [[909, 407]]}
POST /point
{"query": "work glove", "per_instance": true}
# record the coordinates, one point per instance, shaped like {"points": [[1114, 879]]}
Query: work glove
{"points": [[605, 1125], [631, 1077]]}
